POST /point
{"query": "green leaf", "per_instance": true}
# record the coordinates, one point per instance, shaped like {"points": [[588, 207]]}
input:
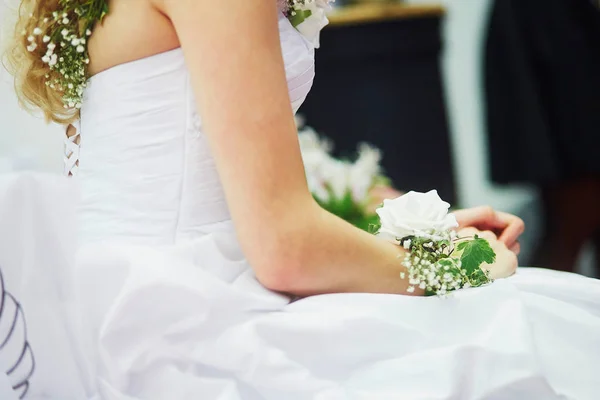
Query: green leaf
{"points": [[299, 17], [474, 253], [446, 262]]}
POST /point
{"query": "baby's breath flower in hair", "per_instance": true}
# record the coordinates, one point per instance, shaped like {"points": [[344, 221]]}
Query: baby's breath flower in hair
{"points": [[61, 42]]}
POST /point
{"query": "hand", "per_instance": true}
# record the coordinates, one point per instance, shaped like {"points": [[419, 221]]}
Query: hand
{"points": [[507, 227], [506, 260]]}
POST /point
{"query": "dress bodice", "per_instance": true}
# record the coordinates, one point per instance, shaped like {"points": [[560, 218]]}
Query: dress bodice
{"points": [[146, 171]]}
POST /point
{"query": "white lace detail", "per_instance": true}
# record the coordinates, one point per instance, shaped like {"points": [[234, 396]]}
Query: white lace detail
{"points": [[71, 159]]}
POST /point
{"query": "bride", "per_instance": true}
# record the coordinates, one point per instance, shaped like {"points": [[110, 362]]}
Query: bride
{"points": [[195, 229]]}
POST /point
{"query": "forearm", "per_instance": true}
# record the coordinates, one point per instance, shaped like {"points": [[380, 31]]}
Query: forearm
{"points": [[328, 255]]}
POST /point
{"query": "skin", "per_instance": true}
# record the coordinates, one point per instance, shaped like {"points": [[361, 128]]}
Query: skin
{"points": [[233, 53], [506, 227]]}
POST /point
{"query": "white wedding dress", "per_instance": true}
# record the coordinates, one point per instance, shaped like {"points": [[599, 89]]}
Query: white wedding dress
{"points": [[146, 294]]}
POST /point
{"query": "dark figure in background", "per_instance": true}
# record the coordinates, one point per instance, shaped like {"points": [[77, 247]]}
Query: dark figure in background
{"points": [[542, 77]]}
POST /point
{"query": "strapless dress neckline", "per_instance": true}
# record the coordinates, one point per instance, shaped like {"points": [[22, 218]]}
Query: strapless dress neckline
{"points": [[146, 171]]}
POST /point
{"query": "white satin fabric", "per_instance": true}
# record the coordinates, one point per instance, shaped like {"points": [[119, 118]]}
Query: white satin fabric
{"points": [[146, 170], [159, 302]]}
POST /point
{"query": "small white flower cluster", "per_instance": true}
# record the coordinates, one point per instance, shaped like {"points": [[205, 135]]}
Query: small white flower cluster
{"points": [[429, 267], [330, 178], [63, 37], [432, 268]]}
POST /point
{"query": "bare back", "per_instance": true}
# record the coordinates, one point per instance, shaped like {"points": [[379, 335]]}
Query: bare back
{"points": [[134, 29]]}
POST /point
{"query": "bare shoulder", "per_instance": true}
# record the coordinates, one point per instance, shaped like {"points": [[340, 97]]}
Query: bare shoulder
{"points": [[132, 30]]}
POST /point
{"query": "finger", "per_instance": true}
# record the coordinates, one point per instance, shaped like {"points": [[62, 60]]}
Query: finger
{"points": [[467, 232], [506, 264], [515, 228], [488, 235], [515, 248], [483, 217]]}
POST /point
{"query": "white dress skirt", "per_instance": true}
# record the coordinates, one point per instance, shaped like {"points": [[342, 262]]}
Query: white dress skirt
{"points": [[190, 320], [126, 282]]}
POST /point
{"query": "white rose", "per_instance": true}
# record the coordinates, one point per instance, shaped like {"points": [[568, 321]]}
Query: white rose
{"points": [[415, 214]]}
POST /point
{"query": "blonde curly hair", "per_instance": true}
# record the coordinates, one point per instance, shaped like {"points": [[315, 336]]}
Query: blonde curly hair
{"points": [[27, 67]]}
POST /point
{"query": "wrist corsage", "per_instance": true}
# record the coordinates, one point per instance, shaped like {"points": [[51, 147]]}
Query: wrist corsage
{"points": [[437, 261]]}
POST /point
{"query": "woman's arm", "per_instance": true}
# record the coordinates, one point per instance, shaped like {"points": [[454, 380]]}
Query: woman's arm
{"points": [[233, 52]]}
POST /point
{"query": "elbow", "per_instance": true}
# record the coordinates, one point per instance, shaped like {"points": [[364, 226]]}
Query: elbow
{"points": [[283, 274], [277, 280], [284, 256], [283, 266]]}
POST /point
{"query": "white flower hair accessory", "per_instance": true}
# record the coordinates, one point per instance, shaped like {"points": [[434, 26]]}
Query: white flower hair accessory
{"points": [[61, 42]]}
